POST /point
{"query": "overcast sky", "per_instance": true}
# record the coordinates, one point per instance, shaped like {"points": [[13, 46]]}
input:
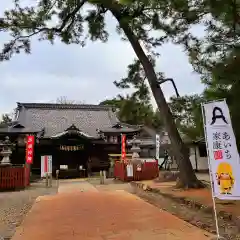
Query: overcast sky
{"points": [[83, 74]]}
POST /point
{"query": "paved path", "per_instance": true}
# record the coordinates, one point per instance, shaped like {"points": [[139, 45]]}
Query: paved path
{"points": [[77, 185], [102, 215]]}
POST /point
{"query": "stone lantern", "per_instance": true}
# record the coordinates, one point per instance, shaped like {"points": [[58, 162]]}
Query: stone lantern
{"points": [[6, 152], [135, 148]]}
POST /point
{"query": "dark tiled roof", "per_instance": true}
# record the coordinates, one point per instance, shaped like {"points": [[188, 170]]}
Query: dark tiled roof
{"points": [[11, 130], [121, 128], [56, 118]]}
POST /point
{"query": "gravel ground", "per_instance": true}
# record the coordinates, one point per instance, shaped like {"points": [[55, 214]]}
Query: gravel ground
{"points": [[228, 229], [15, 205]]}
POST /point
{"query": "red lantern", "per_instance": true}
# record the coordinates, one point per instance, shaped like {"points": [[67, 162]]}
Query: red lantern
{"points": [[29, 149], [123, 146]]}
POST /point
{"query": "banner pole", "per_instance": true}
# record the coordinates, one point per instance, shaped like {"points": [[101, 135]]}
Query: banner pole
{"points": [[211, 176]]}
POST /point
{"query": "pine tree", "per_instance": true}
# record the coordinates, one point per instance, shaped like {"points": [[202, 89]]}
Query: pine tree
{"points": [[136, 19]]}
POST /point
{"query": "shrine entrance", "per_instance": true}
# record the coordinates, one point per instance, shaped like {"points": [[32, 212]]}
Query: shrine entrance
{"points": [[74, 156], [71, 153]]}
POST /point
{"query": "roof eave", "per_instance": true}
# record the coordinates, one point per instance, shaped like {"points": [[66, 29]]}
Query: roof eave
{"points": [[21, 131], [79, 133], [112, 130]]}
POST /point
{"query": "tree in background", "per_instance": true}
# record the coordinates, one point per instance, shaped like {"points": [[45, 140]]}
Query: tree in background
{"points": [[64, 100], [6, 120], [217, 57], [224, 83], [188, 115], [135, 21], [131, 111], [136, 108]]}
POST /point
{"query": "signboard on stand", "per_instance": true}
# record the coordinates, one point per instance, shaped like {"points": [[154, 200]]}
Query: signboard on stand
{"points": [[46, 165], [29, 149], [129, 170]]}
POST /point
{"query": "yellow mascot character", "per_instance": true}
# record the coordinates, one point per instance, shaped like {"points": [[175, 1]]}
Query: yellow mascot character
{"points": [[225, 178]]}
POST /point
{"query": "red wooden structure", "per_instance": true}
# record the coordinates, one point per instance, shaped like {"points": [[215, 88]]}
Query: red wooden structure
{"points": [[143, 171], [14, 177]]}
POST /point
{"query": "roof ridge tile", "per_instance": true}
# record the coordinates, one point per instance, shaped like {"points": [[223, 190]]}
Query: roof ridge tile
{"points": [[64, 106]]}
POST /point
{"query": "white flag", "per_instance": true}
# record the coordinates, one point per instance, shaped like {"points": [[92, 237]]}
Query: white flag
{"points": [[224, 162]]}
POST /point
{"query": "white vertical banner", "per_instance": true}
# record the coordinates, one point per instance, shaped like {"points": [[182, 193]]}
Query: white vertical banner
{"points": [[157, 147], [43, 166], [49, 164], [224, 161], [46, 165]]}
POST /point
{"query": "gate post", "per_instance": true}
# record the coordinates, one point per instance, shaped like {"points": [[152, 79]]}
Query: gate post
{"points": [[101, 177], [50, 180], [104, 176], [46, 179]]}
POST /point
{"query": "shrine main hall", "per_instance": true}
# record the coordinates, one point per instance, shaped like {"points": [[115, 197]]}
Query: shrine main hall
{"points": [[70, 133]]}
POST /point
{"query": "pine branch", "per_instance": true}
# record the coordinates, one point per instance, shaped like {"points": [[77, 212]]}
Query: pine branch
{"points": [[23, 40]]}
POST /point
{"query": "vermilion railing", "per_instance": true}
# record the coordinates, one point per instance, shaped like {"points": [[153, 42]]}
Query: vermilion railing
{"points": [[144, 171], [14, 177]]}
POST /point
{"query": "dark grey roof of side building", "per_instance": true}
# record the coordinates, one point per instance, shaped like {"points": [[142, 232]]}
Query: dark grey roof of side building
{"points": [[56, 118], [12, 130], [121, 128]]}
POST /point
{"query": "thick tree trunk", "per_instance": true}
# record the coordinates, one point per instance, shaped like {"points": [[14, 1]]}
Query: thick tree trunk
{"points": [[187, 178]]}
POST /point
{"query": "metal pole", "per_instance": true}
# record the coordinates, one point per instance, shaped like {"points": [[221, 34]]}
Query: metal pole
{"points": [[211, 175], [173, 83]]}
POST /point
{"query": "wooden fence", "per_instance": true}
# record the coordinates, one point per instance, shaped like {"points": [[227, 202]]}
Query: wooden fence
{"points": [[14, 177], [143, 171]]}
